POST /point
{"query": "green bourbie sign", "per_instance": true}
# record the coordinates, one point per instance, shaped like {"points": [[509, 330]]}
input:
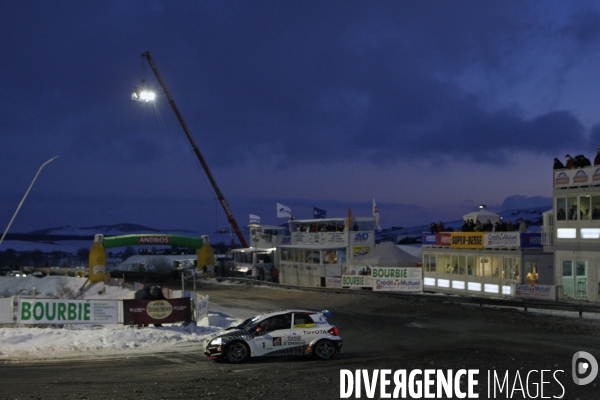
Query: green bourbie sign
{"points": [[51, 311], [356, 280]]}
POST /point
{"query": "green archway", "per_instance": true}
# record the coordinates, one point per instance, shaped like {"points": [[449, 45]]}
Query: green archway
{"points": [[97, 267], [152, 239]]}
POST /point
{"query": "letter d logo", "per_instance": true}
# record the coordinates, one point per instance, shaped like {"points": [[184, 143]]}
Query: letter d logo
{"points": [[581, 368]]}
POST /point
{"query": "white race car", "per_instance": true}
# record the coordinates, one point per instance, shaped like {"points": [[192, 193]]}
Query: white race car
{"points": [[277, 333]]}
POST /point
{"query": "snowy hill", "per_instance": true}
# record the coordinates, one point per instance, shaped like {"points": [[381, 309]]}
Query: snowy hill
{"points": [[109, 230], [532, 216], [70, 238]]}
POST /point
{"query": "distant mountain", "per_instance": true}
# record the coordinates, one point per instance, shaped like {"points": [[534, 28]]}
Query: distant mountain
{"points": [[113, 230]]}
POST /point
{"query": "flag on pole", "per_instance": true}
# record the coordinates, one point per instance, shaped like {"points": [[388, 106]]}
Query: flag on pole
{"points": [[284, 211], [349, 218], [376, 214], [254, 219], [319, 213]]}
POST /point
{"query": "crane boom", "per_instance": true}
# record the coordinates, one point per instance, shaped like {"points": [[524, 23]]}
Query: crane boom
{"points": [[224, 204]]}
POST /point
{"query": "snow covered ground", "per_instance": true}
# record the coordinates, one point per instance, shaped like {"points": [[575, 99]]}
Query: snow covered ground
{"points": [[73, 340]]}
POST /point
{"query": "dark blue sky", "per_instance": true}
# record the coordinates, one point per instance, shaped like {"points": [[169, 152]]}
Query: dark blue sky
{"points": [[430, 107]]}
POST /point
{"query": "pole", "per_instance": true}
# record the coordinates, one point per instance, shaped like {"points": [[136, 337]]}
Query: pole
{"points": [[24, 197], [207, 171]]}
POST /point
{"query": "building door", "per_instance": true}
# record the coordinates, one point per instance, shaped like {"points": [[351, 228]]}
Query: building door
{"points": [[574, 278]]}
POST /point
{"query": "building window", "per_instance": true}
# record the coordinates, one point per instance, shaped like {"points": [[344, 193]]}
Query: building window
{"points": [[510, 268], [330, 257], [585, 213], [470, 265], [574, 278], [496, 267], [566, 233], [561, 206], [429, 262], [572, 209], [596, 207], [590, 233]]}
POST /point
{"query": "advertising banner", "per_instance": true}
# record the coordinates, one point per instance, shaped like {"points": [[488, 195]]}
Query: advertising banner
{"points": [[333, 282], [360, 250], [201, 307], [357, 281], [442, 239], [156, 311], [499, 240], [6, 310], [576, 177], [57, 311], [428, 238], [466, 240], [531, 239], [537, 292], [397, 279]]}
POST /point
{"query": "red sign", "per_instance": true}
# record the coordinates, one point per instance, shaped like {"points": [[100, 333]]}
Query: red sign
{"points": [[443, 239], [156, 311]]}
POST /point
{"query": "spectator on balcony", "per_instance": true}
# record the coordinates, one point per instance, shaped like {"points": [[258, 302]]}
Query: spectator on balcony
{"points": [[561, 215], [569, 163], [581, 161], [433, 228], [488, 227], [597, 159], [522, 225], [558, 164]]}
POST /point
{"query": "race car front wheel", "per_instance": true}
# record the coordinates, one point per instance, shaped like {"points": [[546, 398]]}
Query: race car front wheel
{"points": [[237, 352], [324, 349]]}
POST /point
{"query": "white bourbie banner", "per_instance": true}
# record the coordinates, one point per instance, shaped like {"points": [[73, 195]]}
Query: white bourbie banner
{"points": [[333, 282], [56, 311], [397, 279]]}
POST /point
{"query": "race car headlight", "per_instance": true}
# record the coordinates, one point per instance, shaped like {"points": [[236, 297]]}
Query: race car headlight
{"points": [[216, 341]]}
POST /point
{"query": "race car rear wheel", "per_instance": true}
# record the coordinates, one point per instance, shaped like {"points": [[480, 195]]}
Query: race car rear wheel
{"points": [[237, 352], [324, 349]]}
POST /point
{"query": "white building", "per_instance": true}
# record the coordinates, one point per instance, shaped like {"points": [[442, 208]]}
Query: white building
{"points": [[262, 253], [489, 264], [321, 248], [573, 232]]}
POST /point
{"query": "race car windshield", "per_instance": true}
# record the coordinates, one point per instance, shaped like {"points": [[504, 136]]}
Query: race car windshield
{"points": [[246, 323]]}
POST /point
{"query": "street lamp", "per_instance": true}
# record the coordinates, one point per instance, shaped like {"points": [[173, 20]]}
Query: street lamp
{"points": [[23, 200]]}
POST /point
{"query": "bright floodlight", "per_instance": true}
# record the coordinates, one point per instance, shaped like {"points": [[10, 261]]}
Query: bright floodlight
{"points": [[146, 95], [143, 95]]}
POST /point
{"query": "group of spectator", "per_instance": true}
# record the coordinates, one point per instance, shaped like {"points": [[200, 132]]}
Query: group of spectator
{"points": [[149, 292], [498, 226], [439, 227], [579, 161], [321, 227], [476, 226]]}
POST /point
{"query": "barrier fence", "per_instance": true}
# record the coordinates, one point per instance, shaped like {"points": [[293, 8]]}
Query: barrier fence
{"points": [[559, 305], [36, 311]]}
